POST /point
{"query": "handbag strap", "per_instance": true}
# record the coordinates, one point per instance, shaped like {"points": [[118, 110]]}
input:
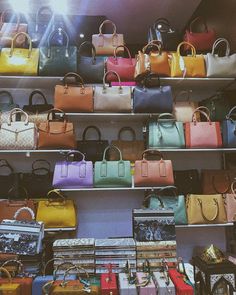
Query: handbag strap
{"points": [[18, 111], [75, 153], [198, 19], [91, 127], [50, 261], [201, 112], [214, 184], [193, 50], [111, 147], [152, 44], [7, 11], [13, 43], [230, 113], [20, 265], [185, 93], [162, 24], [59, 266], [8, 95], [203, 214], [126, 128], [233, 190], [24, 209], [57, 193], [53, 33], [86, 283], [6, 164], [118, 78], [90, 44], [18, 189], [127, 50], [151, 151], [54, 111], [4, 270], [40, 93], [38, 14], [220, 41], [107, 21]]}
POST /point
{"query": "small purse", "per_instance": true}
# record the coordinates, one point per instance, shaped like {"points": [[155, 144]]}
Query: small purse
{"points": [[187, 181], [230, 203], [229, 129]]}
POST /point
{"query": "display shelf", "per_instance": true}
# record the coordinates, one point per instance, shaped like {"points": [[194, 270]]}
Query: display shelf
{"points": [[48, 230], [35, 151], [95, 189], [205, 225]]}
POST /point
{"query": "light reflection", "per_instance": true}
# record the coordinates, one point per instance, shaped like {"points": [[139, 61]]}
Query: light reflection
{"points": [[59, 6], [21, 6]]}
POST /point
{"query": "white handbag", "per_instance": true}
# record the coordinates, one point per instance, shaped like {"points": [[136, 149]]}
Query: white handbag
{"points": [[18, 135]]}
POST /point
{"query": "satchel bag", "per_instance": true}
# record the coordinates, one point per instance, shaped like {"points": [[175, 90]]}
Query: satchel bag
{"points": [[165, 132], [6, 107], [115, 99], [9, 287], [91, 148], [207, 209], [9, 180], [221, 66], [74, 98], [230, 203], [153, 172], [73, 174], [187, 181], [55, 134], [18, 135], [187, 66], [19, 61], [106, 43], [112, 173], [131, 149], [229, 129]]}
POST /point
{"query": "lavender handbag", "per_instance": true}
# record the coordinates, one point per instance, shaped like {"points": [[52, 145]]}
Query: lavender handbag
{"points": [[73, 174]]}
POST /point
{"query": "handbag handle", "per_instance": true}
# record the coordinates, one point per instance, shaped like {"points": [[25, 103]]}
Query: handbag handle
{"points": [[186, 93], [111, 147], [201, 112], [107, 21], [33, 93], [149, 76], [230, 113], [75, 153], [87, 43], [78, 78], [153, 44], [197, 19], [39, 12], [232, 188], [127, 50], [193, 50], [218, 42], [18, 111], [41, 161], [13, 43], [60, 266], [6, 164], [162, 24], [57, 193], [2, 269], [118, 78], [203, 214], [215, 188], [86, 287], [26, 197], [8, 94], [53, 33], [53, 111], [20, 268], [126, 128], [151, 151], [49, 261], [24, 209], [5, 12], [91, 127], [171, 188], [170, 117]]}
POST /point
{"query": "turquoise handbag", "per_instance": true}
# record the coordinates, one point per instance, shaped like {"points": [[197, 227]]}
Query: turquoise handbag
{"points": [[165, 132], [112, 173]]}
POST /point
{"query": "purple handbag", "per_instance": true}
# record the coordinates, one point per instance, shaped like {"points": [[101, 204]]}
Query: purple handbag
{"points": [[73, 174]]}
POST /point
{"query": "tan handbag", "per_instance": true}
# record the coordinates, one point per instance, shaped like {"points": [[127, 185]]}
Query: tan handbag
{"points": [[56, 134], [106, 43], [205, 209], [230, 204]]}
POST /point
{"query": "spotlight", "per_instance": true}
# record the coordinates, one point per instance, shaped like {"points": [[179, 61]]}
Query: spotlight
{"points": [[59, 6], [21, 6]]}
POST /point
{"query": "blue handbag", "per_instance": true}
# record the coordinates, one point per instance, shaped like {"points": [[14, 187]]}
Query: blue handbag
{"points": [[229, 129]]}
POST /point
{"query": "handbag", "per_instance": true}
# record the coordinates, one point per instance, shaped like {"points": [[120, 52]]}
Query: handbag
{"points": [[106, 43], [19, 61], [187, 66], [57, 60], [6, 107], [131, 149], [74, 98], [18, 135], [115, 99], [112, 173], [73, 174], [56, 134], [221, 66], [9, 180], [153, 172], [230, 203], [187, 181], [207, 209], [229, 129], [57, 213], [165, 132], [91, 68], [92, 148], [9, 287]]}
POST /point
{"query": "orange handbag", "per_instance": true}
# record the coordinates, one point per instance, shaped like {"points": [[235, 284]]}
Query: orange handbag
{"points": [[8, 287]]}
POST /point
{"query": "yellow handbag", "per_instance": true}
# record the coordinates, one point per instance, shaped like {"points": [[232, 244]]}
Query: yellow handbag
{"points": [[187, 66], [57, 212], [205, 209], [9, 288], [19, 61]]}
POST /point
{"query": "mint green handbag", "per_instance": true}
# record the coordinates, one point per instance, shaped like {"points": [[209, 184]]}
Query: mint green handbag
{"points": [[112, 173]]}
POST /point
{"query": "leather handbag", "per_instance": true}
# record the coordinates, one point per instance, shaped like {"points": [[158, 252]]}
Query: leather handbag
{"points": [[9, 287], [56, 134], [19, 61], [57, 211], [131, 149], [106, 43], [112, 173], [202, 134], [188, 181], [142, 66], [92, 148], [230, 203], [9, 180], [73, 174], [115, 99], [187, 66], [124, 67], [153, 172], [181, 282], [91, 68], [202, 41], [221, 66], [6, 107], [18, 135], [205, 209], [57, 60], [165, 132], [74, 98], [229, 129]]}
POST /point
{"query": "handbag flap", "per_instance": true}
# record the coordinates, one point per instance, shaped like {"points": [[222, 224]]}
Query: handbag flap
{"points": [[56, 127], [17, 127]]}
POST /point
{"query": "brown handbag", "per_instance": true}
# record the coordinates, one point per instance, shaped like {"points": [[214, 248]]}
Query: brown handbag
{"points": [[131, 149], [74, 98], [56, 134]]}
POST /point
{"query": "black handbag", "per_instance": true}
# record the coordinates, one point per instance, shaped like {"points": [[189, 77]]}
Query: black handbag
{"points": [[9, 181], [9, 105], [37, 108], [187, 181]]}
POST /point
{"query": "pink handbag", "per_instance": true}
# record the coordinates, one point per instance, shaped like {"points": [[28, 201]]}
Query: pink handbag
{"points": [[230, 204]]}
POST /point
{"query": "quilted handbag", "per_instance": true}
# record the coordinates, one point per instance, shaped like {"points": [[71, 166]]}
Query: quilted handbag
{"points": [[9, 287], [6, 107], [112, 173], [188, 181], [229, 129], [230, 203], [9, 181]]}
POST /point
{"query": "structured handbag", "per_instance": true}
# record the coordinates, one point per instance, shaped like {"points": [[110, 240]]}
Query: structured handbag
{"points": [[91, 68], [112, 173], [18, 135], [115, 99], [9, 180], [92, 148], [207, 209], [6, 107], [187, 66], [230, 203], [188, 181], [73, 174], [19, 61], [165, 132], [57, 60], [9, 287], [56, 134], [73, 98], [229, 129], [221, 66], [153, 172], [131, 149], [106, 43]]}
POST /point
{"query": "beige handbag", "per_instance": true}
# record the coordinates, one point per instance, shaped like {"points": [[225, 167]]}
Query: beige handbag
{"points": [[221, 66], [230, 203], [18, 135], [205, 209], [106, 43], [115, 99]]}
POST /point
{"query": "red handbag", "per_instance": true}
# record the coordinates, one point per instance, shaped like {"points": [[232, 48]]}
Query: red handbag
{"points": [[108, 282], [181, 287]]}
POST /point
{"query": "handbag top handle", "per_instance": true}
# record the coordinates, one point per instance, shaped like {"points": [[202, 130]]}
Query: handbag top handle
{"points": [[53, 33], [127, 50], [4, 270], [163, 25], [78, 270], [118, 77], [40, 93], [231, 113], [183, 93], [193, 50], [107, 21], [218, 42], [166, 117], [59, 266], [8, 95], [194, 119], [49, 261], [203, 214], [171, 188], [20, 266], [233, 190], [91, 127], [126, 128], [57, 193], [154, 43], [79, 80], [74, 152], [151, 151], [198, 19], [7, 165], [7, 11], [111, 147], [13, 43], [38, 14], [24, 209], [48, 165], [93, 49], [25, 197], [54, 111], [18, 111]]}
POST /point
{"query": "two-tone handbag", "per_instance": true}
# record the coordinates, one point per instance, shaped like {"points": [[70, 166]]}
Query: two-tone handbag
{"points": [[229, 129]]}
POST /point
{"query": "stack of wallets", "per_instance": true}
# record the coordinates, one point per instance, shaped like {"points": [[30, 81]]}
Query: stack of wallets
{"points": [[80, 252], [115, 252], [155, 252]]}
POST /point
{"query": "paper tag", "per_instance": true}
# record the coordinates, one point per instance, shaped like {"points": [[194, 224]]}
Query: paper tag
{"points": [[181, 64]]}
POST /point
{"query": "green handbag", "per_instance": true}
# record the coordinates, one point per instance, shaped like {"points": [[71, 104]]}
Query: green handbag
{"points": [[165, 132], [112, 173]]}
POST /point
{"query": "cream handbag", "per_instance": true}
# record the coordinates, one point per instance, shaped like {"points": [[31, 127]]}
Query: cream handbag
{"points": [[18, 135], [221, 66], [230, 203]]}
